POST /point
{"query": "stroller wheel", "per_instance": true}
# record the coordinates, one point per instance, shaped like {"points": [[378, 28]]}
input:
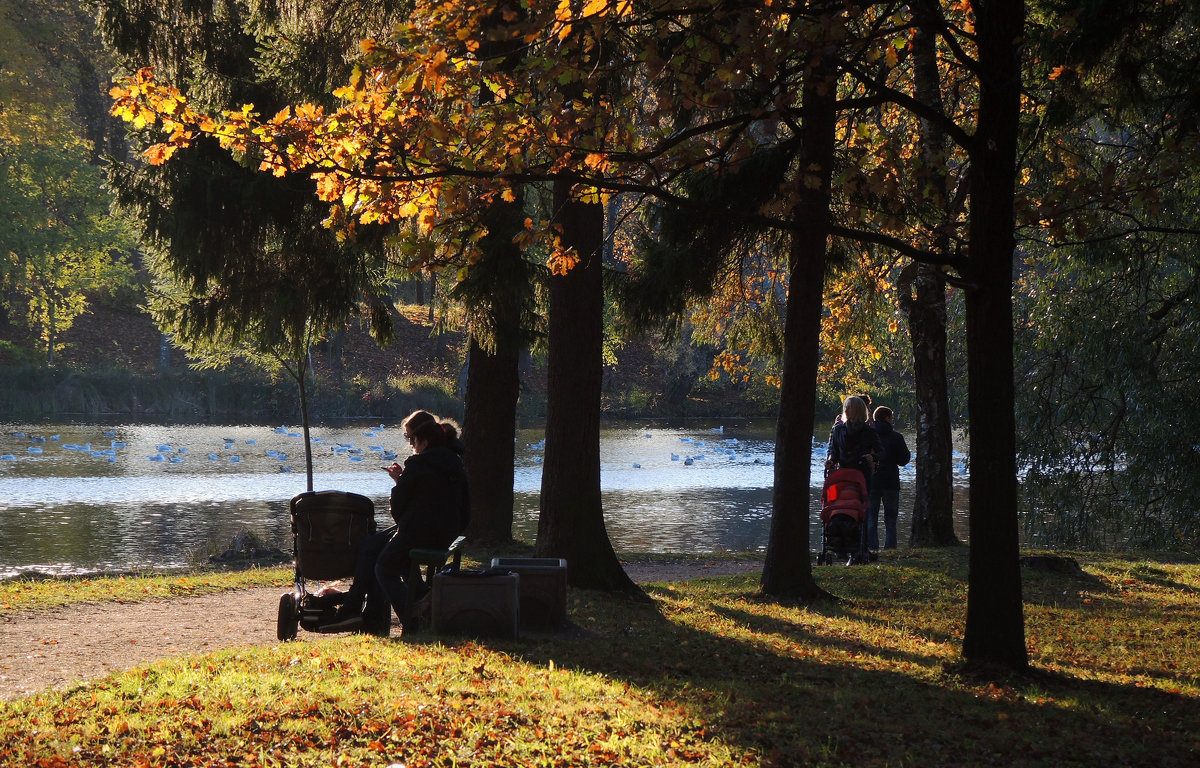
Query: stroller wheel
{"points": [[289, 618]]}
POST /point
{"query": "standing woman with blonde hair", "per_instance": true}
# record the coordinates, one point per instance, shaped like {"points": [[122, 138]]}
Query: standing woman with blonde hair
{"points": [[852, 443]]}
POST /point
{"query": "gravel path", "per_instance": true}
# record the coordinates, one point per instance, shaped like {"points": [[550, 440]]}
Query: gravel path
{"points": [[84, 642]]}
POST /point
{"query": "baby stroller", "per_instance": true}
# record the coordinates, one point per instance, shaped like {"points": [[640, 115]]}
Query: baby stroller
{"points": [[844, 517], [327, 528]]}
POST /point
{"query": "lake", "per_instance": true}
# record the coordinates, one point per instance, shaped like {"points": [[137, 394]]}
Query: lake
{"points": [[81, 498]]}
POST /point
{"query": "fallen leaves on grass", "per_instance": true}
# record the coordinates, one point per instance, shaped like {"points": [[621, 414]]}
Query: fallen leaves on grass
{"points": [[710, 674]]}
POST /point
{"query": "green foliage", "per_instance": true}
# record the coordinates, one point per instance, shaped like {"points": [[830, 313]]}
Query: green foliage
{"points": [[241, 259], [1107, 397], [687, 250], [16, 354], [57, 237]]}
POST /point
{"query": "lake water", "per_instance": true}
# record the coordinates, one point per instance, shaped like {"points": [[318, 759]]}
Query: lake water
{"points": [[79, 498]]}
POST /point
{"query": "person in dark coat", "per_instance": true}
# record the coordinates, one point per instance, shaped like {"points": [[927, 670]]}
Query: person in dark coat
{"points": [[852, 443], [885, 484], [430, 505]]}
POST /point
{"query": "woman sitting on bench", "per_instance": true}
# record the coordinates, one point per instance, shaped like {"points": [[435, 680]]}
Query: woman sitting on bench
{"points": [[431, 506]]}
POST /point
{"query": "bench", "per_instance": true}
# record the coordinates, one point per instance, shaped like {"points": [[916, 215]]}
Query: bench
{"points": [[418, 584]]}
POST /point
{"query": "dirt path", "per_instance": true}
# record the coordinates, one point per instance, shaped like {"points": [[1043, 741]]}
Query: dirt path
{"points": [[84, 642]]}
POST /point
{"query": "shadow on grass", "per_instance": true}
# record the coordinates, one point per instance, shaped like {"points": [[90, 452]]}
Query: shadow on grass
{"points": [[793, 685]]}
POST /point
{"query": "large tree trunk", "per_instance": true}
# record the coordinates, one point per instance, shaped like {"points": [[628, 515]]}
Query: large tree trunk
{"points": [[489, 424], [923, 294], [571, 522], [995, 628], [497, 287], [787, 571], [493, 373]]}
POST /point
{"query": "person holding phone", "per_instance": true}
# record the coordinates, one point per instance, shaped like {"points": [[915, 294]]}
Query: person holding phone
{"points": [[351, 614], [431, 506]]}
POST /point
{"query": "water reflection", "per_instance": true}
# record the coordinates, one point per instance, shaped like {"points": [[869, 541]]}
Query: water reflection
{"points": [[110, 497]]}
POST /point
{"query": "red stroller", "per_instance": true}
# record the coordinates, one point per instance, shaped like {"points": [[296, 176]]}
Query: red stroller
{"points": [[844, 517]]}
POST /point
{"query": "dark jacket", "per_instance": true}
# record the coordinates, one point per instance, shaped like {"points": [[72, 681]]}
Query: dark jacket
{"points": [[430, 502], [895, 454], [849, 442]]}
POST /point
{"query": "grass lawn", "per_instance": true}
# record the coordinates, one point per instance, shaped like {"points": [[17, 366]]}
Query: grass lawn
{"points": [[709, 674]]}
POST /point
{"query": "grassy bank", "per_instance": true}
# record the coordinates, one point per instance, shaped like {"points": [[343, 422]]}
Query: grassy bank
{"points": [[709, 674], [45, 594]]}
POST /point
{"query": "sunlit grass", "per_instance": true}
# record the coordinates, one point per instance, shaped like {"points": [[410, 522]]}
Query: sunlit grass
{"points": [[25, 594], [710, 673]]}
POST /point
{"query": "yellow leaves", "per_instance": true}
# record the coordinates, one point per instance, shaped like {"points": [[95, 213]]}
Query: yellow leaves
{"points": [[329, 187], [427, 216], [309, 112], [142, 117], [587, 194], [278, 170], [159, 153], [1058, 72], [561, 261], [408, 84]]}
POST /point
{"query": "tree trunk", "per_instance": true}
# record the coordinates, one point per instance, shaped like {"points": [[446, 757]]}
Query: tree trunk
{"points": [[924, 300], [432, 299], [571, 522], [995, 628], [493, 387], [337, 363], [489, 427], [302, 371], [51, 339], [787, 571], [933, 504], [493, 369]]}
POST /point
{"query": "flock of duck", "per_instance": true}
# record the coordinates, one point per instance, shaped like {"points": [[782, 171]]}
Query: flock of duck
{"points": [[233, 450], [726, 447]]}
